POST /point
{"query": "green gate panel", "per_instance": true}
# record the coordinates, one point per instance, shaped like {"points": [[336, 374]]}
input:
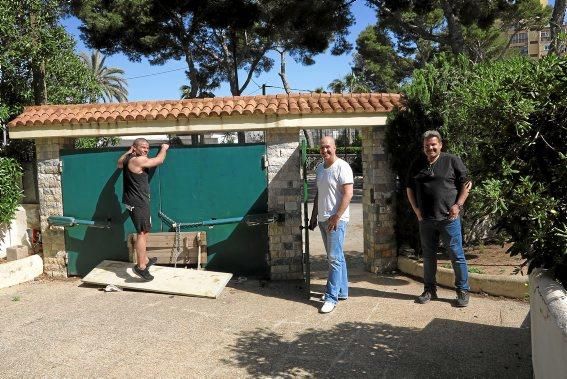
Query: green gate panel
{"points": [[194, 184], [215, 182], [92, 190]]}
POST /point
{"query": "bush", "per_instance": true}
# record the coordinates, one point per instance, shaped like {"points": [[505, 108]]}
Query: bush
{"points": [[509, 120], [506, 119], [10, 192]]}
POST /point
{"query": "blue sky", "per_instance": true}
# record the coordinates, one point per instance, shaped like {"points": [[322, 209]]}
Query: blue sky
{"points": [[146, 82]]}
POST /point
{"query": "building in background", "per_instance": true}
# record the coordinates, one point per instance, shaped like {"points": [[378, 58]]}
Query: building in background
{"points": [[534, 43]]}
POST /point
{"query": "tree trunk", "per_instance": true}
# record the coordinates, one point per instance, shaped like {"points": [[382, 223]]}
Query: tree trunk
{"points": [[38, 67], [306, 133], [456, 40], [555, 24]]}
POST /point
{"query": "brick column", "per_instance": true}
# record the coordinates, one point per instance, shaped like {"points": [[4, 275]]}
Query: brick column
{"points": [[284, 197], [51, 203], [378, 203]]}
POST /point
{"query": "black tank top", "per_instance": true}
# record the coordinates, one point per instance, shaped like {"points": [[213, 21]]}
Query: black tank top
{"points": [[136, 186]]}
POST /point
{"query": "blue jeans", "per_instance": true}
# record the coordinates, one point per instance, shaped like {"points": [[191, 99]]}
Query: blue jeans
{"points": [[337, 282], [450, 232]]}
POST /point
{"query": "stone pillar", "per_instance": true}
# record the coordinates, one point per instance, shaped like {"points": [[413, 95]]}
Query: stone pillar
{"points": [[51, 203], [284, 197], [378, 203]]}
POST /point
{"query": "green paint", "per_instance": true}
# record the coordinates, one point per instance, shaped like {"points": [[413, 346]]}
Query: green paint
{"points": [[195, 184]]}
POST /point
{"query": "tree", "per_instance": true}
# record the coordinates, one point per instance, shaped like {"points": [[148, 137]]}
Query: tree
{"points": [[37, 64], [217, 39], [469, 27], [557, 20], [379, 64], [112, 84]]}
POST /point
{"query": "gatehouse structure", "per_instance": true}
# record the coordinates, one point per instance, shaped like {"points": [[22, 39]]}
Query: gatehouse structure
{"points": [[281, 117]]}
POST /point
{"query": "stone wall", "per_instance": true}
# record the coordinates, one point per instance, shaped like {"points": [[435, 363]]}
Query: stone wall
{"points": [[378, 203], [51, 202], [284, 197]]}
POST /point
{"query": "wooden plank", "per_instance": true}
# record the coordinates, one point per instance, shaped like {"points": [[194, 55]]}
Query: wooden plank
{"points": [[168, 238], [176, 281], [160, 245]]}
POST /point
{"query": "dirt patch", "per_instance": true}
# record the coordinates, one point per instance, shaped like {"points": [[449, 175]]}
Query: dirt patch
{"points": [[489, 260]]}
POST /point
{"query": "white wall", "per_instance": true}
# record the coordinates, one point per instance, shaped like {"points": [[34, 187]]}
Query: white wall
{"points": [[15, 233], [548, 312]]}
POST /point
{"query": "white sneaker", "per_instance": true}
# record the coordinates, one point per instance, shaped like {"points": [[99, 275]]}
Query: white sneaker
{"points": [[327, 307]]}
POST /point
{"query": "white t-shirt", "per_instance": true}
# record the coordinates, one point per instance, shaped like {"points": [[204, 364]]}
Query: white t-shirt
{"points": [[330, 183]]}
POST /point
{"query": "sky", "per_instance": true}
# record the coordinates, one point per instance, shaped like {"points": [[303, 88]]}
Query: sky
{"points": [[147, 82]]}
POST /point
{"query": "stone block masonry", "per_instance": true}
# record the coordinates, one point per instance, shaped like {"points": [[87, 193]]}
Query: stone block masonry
{"points": [[51, 202], [378, 203], [284, 197]]}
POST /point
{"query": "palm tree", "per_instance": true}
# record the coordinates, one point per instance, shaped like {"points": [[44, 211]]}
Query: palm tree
{"points": [[337, 86], [112, 84]]}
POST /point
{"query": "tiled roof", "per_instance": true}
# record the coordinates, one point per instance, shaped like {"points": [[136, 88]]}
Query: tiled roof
{"points": [[293, 104]]}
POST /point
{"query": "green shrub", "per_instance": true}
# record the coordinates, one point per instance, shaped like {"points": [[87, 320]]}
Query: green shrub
{"points": [[10, 192], [507, 120]]}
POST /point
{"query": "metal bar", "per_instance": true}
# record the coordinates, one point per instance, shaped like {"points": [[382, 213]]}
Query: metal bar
{"points": [[69, 221]]}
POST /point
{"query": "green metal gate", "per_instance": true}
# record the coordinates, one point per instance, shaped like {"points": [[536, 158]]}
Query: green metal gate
{"points": [[194, 184]]}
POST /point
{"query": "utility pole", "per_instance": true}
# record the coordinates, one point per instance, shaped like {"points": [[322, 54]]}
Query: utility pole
{"points": [[264, 89]]}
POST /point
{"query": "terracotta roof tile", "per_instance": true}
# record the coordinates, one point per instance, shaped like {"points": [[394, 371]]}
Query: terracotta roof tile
{"points": [[281, 104]]}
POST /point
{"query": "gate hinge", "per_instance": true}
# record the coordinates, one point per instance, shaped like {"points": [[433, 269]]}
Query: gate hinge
{"points": [[264, 161], [60, 166]]}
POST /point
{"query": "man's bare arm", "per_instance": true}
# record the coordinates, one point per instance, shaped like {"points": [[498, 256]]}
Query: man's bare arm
{"points": [[314, 213], [120, 163], [461, 198], [348, 190], [158, 159], [413, 203]]}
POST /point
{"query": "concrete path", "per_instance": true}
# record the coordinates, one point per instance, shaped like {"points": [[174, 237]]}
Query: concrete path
{"points": [[261, 329]]}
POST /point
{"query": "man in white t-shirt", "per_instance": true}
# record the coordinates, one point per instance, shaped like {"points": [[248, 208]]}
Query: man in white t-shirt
{"points": [[331, 213]]}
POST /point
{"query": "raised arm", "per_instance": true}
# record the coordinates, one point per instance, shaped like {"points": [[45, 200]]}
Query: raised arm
{"points": [[146, 162], [120, 163]]}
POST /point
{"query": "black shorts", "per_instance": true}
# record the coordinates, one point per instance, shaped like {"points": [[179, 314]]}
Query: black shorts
{"points": [[140, 216]]}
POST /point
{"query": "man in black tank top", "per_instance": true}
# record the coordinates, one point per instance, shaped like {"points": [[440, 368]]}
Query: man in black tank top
{"points": [[136, 197]]}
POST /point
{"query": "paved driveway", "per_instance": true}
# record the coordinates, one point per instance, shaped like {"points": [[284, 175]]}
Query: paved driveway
{"points": [[261, 329]]}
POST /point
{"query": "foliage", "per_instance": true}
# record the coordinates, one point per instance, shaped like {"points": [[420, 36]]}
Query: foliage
{"points": [[506, 119], [517, 110], [410, 34], [25, 43], [10, 191], [95, 142], [110, 79], [216, 39]]}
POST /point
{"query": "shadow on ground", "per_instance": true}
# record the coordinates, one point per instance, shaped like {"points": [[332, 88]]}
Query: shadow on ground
{"points": [[357, 349]]}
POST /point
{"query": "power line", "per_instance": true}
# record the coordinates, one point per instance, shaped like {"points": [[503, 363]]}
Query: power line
{"points": [[156, 73]]}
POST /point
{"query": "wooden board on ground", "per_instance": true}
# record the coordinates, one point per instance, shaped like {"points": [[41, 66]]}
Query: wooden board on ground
{"points": [[176, 281], [160, 245]]}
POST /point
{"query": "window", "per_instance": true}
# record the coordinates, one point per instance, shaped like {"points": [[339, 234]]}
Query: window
{"points": [[523, 50], [545, 36], [546, 47], [521, 37]]}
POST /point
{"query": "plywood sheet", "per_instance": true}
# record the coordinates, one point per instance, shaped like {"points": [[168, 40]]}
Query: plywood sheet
{"points": [[177, 281]]}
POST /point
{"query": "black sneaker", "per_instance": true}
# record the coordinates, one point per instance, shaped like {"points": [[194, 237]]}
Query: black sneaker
{"points": [[426, 296], [144, 274], [151, 261], [462, 299]]}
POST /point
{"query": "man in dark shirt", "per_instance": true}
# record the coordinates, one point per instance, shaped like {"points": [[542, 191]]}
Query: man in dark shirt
{"points": [[437, 188], [136, 197]]}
